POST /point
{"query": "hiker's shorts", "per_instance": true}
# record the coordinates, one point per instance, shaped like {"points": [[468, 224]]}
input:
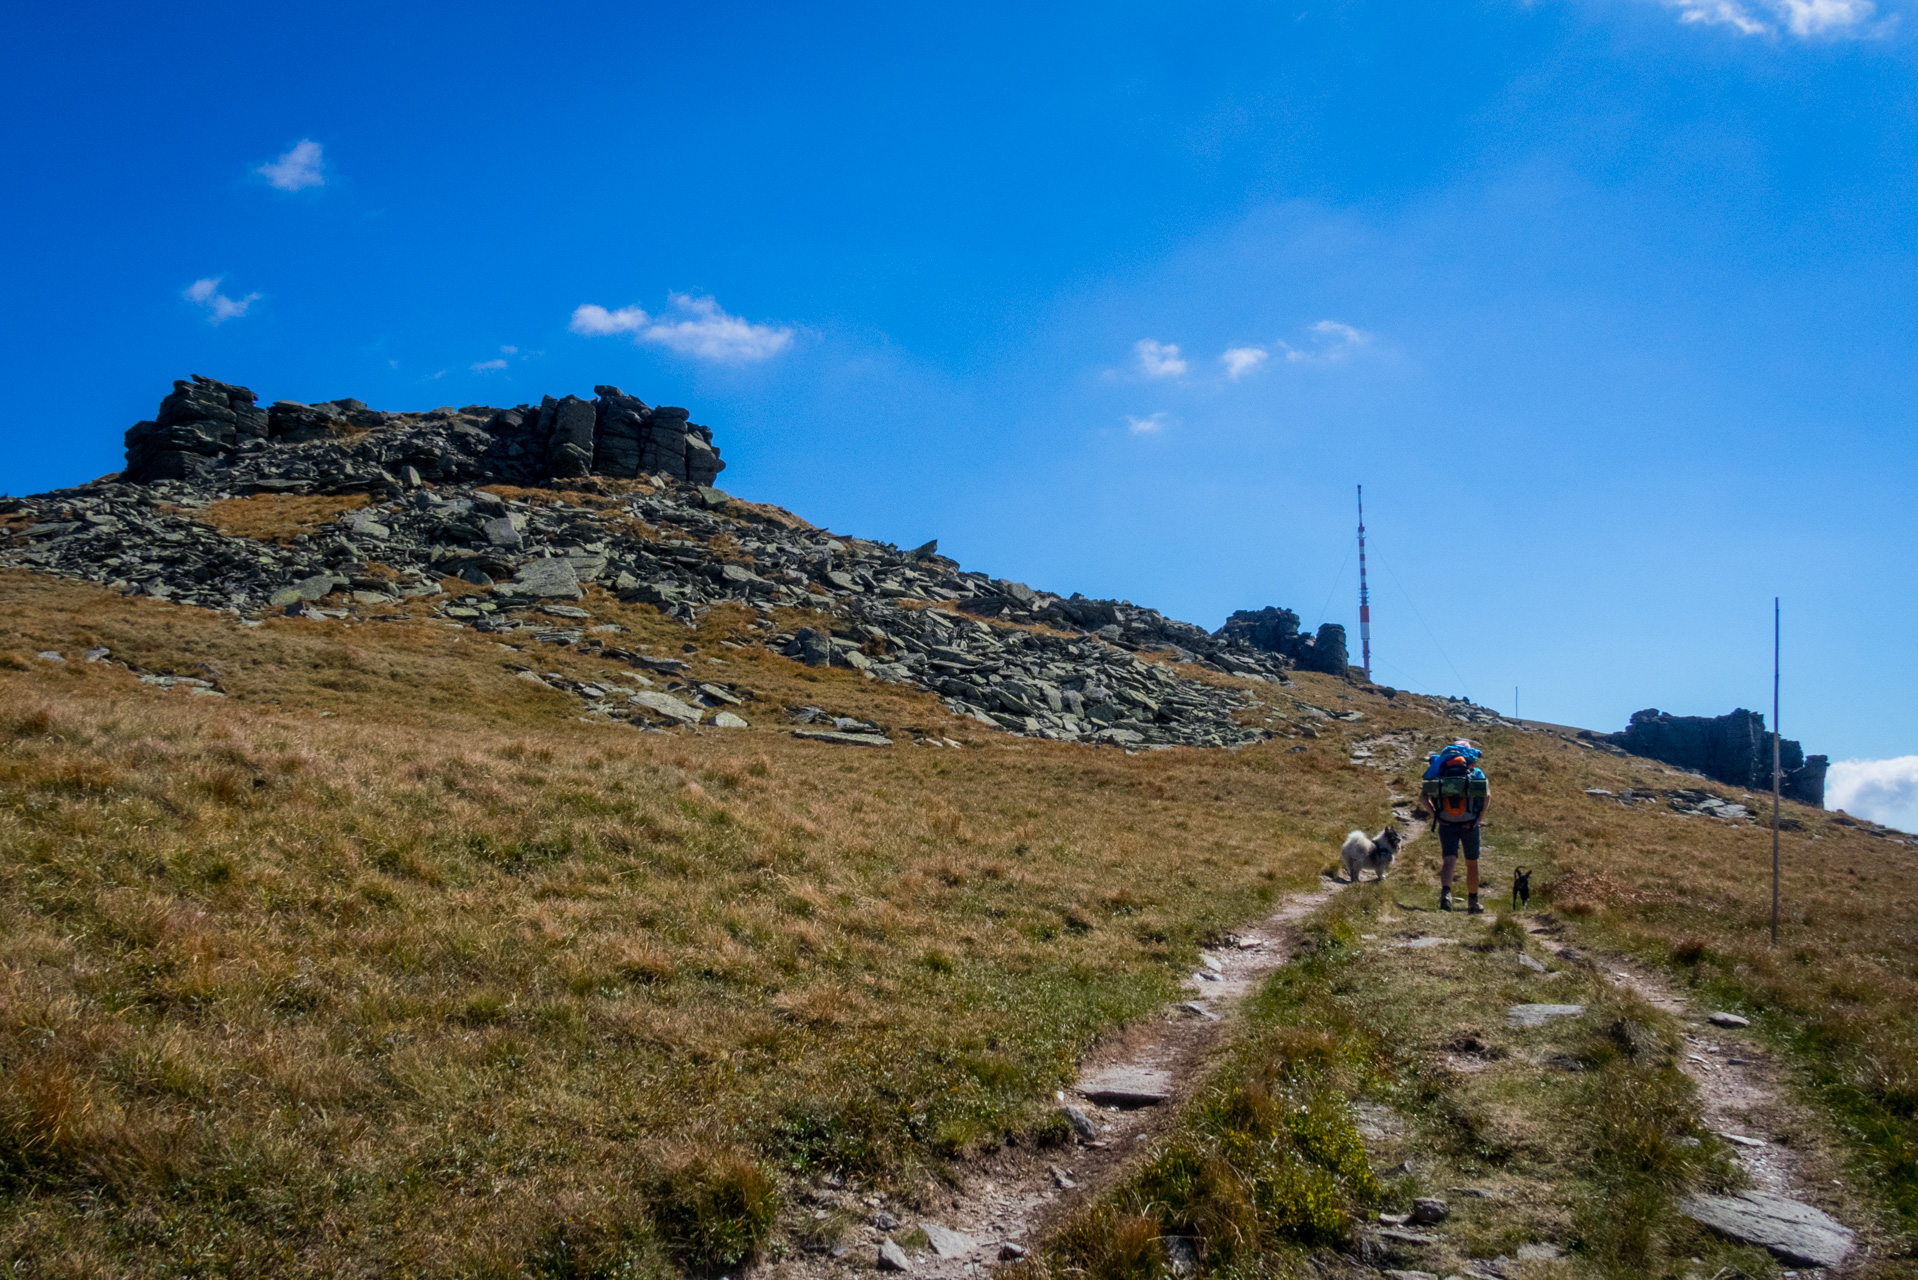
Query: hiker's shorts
{"points": [[1454, 834]]}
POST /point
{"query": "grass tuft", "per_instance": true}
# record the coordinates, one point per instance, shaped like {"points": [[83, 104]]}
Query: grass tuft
{"points": [[714, 1208]]}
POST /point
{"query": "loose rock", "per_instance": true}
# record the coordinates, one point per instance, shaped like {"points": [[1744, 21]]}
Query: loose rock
{"points": [[946, 1243]]}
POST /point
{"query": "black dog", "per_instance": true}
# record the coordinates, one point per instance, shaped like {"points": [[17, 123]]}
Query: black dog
{"points": [[1521, 887]]}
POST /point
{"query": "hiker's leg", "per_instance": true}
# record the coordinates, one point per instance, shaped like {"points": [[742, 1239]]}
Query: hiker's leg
{"points": [[1470, 841], [1448, 853]]}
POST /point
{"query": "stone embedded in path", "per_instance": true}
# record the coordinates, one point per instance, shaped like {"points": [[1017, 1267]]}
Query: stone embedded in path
{"points": [[1081, 1122], [1530, 963], [1427, 1210], [1794, 1233], [1540, 1252], [1194, 1007], [727, 720], [1010, 1252], [1722, 1019], [1419, 944], [946, 1243], [892, 1257], [1537, 1015], [1127, 1086], [1410, 1275]]}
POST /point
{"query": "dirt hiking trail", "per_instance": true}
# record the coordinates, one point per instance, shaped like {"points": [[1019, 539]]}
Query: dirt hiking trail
{"points": [[1128, 1091]]}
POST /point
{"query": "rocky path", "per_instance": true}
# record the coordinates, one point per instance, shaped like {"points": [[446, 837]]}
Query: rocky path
{"points": [[1126, 1094], [1743, 1099]]}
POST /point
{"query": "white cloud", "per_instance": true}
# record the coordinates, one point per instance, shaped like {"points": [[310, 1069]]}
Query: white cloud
{"points": [[297, 169], [1882, 790], [1158, 359], [1239, 361], [509, 351], [598, 322], [707, 333], [1819, 17], [205, 292], [485, 366], [1805, 19], [1335, 342], [1146, 426], [1714, 13], [701, 329]]}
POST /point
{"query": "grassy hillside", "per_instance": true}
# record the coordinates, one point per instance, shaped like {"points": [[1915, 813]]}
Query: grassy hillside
{"points": [[388, 962]]}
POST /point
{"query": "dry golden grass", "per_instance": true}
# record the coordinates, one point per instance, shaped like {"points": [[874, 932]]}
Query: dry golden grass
{"points": [[278, 517], [387, 963]]}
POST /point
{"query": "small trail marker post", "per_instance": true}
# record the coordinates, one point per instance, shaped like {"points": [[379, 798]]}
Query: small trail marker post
{"points": [[1775, 788]]}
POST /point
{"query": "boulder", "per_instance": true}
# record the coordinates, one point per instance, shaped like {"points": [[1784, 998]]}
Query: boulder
{"points": [[1796, 1234]]}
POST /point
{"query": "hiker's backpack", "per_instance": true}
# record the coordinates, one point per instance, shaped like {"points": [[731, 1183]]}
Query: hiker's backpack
{"points": [[1456, 795]]}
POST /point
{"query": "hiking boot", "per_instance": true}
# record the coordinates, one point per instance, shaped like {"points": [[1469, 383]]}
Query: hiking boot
{"points": [[1445, 898], [1472, 907]]}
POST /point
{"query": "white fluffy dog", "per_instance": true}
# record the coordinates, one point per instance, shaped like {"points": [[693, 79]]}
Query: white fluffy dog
{"points": [[1361, 853]]}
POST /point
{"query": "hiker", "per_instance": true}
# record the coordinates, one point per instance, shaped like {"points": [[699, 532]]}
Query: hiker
{"points": [[1456, 789]]}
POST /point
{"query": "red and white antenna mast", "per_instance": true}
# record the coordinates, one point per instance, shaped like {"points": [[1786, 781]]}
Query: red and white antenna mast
{"points": [[1365, 596]]}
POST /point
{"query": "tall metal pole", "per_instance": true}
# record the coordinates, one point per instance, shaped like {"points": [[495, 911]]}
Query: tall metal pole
{"points": [[1775, 788], [1365, 598]]}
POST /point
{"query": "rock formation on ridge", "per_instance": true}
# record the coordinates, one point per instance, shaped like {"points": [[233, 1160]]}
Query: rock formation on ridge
{"points": [[1275, 630], [1734, 749], [632, 512], [213, 432]]}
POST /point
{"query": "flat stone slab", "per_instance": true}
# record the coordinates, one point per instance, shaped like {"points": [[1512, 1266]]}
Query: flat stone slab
{"points": [[1723, 1019], [843, 739], [1127, 1086], [946, 1243], [1420, 944], [1794, 1233], [548, 579], [666, 705], [1537, 1015]]}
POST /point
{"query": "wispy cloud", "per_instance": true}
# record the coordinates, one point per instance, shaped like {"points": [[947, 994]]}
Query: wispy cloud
{"points": [[205, 292], [1239, 361], [1158, 359], [298, 169], [1146, 426], [1805, 19], [1882, 790], [700, 328], [1332, 341], [488, 366]]}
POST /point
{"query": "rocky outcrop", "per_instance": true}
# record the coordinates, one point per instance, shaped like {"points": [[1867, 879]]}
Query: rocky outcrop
{"points": [[435, 539], [212, 432], [1274, 630], [200, 424], [1734, 749]]}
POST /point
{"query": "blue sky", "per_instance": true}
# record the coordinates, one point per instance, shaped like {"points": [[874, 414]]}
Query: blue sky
{"points": [[1610, 306]]}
